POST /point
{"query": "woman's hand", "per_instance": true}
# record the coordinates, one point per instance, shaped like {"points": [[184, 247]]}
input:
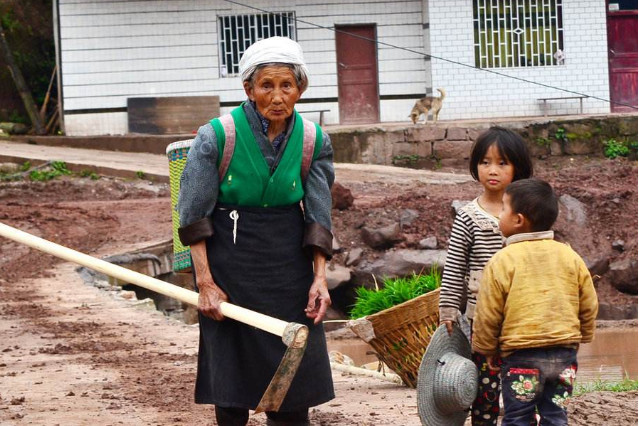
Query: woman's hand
{"points": [[211, 295], [208, 303], [318, 298]]}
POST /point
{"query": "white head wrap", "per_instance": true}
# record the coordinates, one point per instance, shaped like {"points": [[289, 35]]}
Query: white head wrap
{"points": [[274, 49]]}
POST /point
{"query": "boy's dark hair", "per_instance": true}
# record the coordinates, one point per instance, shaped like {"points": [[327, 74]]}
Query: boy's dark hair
{"points": [[511, 146], [536, 200]]}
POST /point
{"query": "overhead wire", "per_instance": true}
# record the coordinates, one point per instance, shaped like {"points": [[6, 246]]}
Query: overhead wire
{"points": [[490, 71]]}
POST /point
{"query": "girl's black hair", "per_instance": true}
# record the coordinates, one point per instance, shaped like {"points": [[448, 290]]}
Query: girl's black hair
{"points": [[511, 147]]}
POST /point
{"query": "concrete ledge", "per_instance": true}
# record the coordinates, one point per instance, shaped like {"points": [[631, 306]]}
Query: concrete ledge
{"points": [[154, 144], [394, 143]]}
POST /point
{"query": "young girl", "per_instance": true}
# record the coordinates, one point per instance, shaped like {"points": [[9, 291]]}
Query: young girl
{"points": [[498, 157]]}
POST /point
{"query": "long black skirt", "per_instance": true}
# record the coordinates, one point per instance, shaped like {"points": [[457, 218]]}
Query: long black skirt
{"points": [[263, 268]]}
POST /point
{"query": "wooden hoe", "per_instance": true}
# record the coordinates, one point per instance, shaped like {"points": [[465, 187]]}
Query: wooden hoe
{"points": [[293, 335]]}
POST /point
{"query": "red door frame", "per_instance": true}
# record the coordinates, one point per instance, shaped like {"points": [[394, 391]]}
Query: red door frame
{"points": [[622, 59], [357, 73]]}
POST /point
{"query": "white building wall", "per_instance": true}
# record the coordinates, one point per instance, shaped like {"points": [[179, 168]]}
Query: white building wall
{"points": [[112, 50], [473, 93]]}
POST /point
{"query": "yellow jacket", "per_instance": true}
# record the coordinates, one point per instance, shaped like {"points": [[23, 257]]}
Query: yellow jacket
{"points": [[535, 292]]}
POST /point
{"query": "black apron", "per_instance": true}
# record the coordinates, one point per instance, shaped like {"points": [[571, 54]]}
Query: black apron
{"points": [[266, 270]]}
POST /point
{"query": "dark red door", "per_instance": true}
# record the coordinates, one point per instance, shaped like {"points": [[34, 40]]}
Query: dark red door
{"points": [[622, 56], [357, 85]]}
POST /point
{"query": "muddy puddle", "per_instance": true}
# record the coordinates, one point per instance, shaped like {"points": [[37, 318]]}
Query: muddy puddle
{"points": [[612, 356]]}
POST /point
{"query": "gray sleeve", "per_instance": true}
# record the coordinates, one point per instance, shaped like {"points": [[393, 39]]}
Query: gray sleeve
{"points": [[199, 186], [317, 199]]}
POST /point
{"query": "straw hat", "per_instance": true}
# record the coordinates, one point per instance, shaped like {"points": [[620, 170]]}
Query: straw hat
{"points": [[447, 379]]}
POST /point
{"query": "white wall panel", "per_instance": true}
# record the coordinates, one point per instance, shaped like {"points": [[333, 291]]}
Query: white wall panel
{"points": [[114, 31], [113, 123], [134, 77], [156, 40], [473, 93], [114, 49], [397, 110], [71, 56], [185, 63]]}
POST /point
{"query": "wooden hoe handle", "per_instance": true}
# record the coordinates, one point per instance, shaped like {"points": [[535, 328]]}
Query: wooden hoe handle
{"points": [[246, 316]]}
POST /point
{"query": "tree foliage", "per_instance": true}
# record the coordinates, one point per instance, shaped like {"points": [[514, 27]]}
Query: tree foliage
{"points": [[28, 27]]}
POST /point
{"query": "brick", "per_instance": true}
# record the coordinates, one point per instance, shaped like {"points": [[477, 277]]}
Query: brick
{"points": [[456, 133], [421, 149], [426, 133], [452, 149]]}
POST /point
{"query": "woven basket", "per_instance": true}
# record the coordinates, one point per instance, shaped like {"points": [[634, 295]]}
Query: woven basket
{"points": [[177, 152], [401, 334]]}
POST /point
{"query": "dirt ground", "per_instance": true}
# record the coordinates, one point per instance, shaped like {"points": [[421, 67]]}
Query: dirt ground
{"points": [[73, 354], [607, 188]]}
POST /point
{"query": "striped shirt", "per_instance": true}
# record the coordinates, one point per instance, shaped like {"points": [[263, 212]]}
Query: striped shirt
{"points": [[474, 239]]}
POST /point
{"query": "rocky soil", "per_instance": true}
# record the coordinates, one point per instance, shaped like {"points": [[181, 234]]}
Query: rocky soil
{"points": [[73, 354], [598, 218]]}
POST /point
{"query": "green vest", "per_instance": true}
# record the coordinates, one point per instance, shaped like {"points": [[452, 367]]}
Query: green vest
{"points": [[248, 181]]}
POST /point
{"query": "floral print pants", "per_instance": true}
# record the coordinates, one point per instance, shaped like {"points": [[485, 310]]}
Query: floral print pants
{"points": [[485, 409], [537, 380]]}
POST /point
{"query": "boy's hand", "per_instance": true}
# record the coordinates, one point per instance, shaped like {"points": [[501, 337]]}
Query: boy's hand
{"points": [[490, 360]]}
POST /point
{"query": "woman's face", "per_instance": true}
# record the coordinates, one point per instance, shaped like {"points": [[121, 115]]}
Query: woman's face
{"points": [[274, 92]]}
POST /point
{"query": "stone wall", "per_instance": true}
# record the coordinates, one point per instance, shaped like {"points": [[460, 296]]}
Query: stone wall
{"points": [[421, 145]]}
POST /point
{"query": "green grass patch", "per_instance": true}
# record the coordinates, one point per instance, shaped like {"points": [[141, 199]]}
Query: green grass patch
{"points": [[89, 174], [394, 292], [55, 169], [624, 385]]}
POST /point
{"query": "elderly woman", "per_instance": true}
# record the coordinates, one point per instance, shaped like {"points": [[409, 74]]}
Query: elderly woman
{"points": [[253, 245]]}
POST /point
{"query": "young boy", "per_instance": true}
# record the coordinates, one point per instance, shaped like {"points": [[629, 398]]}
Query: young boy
{"points": [[536, 304]]}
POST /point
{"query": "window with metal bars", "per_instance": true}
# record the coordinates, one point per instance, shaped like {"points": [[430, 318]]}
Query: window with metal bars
{"points": [[518, 33], [238, 32]]}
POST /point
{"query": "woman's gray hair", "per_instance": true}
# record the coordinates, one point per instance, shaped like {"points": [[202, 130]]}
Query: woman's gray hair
{"points": [[299, 71]]}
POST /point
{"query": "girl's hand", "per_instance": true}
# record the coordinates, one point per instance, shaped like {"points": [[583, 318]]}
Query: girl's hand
{"points": [[449, 326], [318, 299], [208, 303]]}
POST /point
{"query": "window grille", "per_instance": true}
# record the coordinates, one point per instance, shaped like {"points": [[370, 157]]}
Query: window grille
{"points": [[238, 32], [518, 33]]}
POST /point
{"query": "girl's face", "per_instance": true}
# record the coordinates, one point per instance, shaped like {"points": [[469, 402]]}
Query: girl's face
{"points": [[274, 92], [495, 172]]}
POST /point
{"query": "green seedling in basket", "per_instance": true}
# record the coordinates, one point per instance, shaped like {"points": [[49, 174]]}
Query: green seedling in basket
{"points": [[394, 292]]}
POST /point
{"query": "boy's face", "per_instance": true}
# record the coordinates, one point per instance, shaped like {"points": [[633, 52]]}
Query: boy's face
{"points": [[509, 221]]}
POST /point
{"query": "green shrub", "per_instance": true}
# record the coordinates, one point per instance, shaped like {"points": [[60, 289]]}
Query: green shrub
{"points": [[394, 292], [614, 149], [55, 169], [560, 134]]}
